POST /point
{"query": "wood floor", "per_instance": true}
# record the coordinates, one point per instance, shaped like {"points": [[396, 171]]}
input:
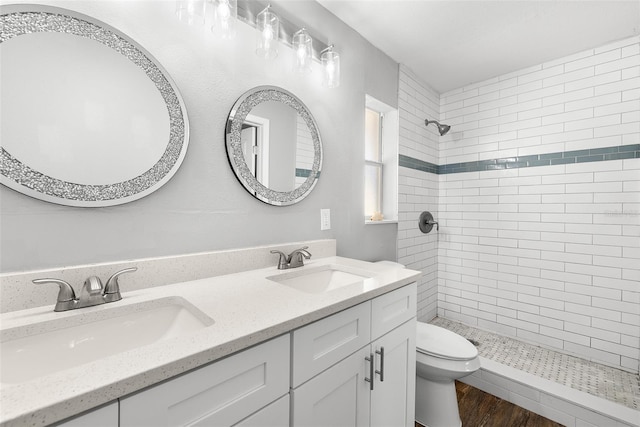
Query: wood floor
{"points": [[480, 409]]}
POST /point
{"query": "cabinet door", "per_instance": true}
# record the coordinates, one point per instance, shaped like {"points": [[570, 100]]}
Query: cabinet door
{"points": [[106, 416], [337, 397], [221, 394], [393, 399]]}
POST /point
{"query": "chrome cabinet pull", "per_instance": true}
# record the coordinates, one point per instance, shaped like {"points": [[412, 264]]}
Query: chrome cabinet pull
{"points": [[371, 361], [381, 371]]}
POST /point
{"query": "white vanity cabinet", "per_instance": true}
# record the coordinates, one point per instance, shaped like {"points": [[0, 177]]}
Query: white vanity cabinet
{"points": [[345, 393], [234, 390], [352, 368]]}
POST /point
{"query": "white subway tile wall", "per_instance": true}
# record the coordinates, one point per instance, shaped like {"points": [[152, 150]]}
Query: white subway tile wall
{"points": [[418, 190], [547, 254]]}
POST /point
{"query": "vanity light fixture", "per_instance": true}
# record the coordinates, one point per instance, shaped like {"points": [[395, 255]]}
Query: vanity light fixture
{"points": [[302, 45], [331, 65], [224, 16], [268, 27], [271, 29], [191, 12]]}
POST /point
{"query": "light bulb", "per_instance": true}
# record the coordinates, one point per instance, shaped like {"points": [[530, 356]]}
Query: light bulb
{"points": [[223, 10], [224, 17], [267, 34], [331, 68], [301, 53]]}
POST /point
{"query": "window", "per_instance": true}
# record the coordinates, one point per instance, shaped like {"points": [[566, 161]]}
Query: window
{"points": [[381, 162], [373, 166]]}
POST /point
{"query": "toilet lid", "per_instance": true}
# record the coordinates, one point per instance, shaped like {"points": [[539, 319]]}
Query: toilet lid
{"points": [[440, 342]]}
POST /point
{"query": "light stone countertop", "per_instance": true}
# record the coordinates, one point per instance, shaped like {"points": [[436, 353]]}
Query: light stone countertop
{"points": [[246, 307]]}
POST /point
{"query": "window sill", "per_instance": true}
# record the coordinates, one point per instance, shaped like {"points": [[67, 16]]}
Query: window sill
{"points": [[384, 221]]}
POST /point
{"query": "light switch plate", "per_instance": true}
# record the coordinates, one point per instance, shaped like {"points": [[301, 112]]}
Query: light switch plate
{"points": [[325, 219]]}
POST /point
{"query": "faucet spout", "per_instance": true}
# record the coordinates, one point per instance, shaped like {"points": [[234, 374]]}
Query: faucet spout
{"points": [[92, 286], [297, 257], [91, 293]]}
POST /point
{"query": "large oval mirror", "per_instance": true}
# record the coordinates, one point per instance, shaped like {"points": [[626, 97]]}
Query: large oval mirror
{"points": [[274, 146], [88, 118]]}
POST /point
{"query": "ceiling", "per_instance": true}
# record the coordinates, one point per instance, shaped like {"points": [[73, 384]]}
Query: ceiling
{"points": [[452, 43]]}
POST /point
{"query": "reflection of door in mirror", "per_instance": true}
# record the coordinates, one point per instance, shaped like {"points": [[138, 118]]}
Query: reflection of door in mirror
{"points": [[282, 143], [255, 147], [249, 138]]}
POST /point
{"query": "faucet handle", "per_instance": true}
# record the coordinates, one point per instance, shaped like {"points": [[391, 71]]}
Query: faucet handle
{"points": [[112, 288], [66, 296], [301, 252], [283, 262]]}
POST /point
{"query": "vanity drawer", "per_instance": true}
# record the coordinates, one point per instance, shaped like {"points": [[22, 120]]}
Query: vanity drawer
{"points": [[320, 345], [393, 309], [222, 393]]}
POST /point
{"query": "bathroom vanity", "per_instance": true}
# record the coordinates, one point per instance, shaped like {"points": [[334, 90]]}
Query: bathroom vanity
{"points": [[272, 347]]}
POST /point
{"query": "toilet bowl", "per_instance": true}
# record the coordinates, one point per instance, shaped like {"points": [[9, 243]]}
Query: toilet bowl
{"points": [[442, 357]]}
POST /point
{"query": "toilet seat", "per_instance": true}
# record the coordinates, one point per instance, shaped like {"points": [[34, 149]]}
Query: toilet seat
{"points": [[439, 342]]}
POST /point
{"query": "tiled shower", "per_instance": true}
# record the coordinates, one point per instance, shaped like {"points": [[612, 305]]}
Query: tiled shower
{"points": [[537, 191]]}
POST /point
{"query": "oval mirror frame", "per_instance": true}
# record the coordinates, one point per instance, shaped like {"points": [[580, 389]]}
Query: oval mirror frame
{"points": [[18, 20], [241, 109]]}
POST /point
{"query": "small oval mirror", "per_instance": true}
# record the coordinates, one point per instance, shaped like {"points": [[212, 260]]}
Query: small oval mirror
{"points": [[274, 146]]}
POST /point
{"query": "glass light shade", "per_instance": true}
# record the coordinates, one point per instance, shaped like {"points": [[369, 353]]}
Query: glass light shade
{"points": [[268, 27], [302, 45], [331, 64], [224, 15], [191, 12]]}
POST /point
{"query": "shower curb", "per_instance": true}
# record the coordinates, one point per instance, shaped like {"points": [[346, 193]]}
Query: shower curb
{"points": [[557, 402]]}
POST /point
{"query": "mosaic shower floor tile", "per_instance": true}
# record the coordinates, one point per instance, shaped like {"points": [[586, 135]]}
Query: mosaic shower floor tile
{"points": [[599, 380]]}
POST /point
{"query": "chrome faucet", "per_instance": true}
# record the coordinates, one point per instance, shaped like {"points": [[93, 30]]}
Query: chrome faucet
{"points": [[93, 293], [294, 259]]}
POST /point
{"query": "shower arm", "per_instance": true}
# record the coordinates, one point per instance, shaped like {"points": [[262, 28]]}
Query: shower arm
{"points": [[442, 129]]}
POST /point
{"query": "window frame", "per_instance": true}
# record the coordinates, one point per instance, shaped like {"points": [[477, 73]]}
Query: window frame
{"points": [[387, 163]]}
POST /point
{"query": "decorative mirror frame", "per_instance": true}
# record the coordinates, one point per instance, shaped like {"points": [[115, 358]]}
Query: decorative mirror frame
{"points": [[17, 20], [237, 116]]}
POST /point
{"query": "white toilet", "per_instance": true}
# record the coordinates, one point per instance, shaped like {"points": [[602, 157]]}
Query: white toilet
{"points": [[442, 357]]}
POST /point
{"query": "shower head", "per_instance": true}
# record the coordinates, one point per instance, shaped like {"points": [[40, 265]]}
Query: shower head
{"points": [[443, 129]]}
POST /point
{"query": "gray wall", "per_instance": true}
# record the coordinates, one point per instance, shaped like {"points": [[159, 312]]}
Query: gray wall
{"points": [[204, 207]]}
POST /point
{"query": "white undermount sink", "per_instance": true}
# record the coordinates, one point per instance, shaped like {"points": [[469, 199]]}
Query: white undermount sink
{"points": [[39, 349], [324, 278]]}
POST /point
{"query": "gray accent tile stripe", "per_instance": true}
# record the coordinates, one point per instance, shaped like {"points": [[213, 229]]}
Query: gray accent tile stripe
{"points": [[411, 163], [304, 173], [562, 157]]}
